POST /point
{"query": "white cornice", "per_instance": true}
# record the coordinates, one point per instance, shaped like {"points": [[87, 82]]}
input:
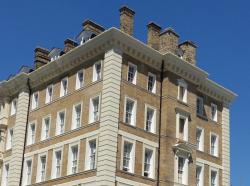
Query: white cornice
{"points": [[114, 38]]}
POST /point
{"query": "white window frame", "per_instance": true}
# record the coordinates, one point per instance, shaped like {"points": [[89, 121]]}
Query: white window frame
{"points": [[69, 170], [153, 124], [201, 144], [74, 123], [27, 181], [217, 175], [152, 161], [79, 84], [200, 110], [54, 163], [64, 92], [95, 75], [48, 98], [43, 133], [154, 84], [58, 122], [185, 170], [39, 168], [178, 117], [132, 156], [216, 151], [13, 109], [133, 119], [201, 183], [29, 138], [91, 108], [214, 117], [9, 142], [182, 83], [35, 102], [87, 155], [5, 173], [135, 75]]}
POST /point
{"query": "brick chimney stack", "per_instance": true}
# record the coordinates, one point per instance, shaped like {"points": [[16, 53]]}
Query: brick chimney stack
{"points": [[154, 35], [189, 51], [69, 44], [41, 57], [90, 25], [169, 41], [127, 20]]}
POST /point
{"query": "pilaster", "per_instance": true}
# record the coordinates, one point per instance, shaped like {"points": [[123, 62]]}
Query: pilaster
{"points": [[107, 146], [225, 146], [18, 139]]}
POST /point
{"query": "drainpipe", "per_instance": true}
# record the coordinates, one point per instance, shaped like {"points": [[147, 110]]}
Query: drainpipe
{"points": [[26, 131], [159, 130]]}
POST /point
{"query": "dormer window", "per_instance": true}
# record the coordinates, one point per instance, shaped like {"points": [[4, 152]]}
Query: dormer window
{"points": [[85, 35], [55, 54]]}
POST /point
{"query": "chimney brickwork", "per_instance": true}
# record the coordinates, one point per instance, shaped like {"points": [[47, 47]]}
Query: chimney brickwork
{"points": [[41, 57], [90, 25], [154, 31], [189, 51], [69, 44], [169, 41], [127, 20]]}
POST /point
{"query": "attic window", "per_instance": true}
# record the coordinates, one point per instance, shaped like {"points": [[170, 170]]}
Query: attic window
{"points": [[55, 54], [85, 35]]}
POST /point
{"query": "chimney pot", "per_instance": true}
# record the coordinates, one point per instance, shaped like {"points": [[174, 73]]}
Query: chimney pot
{"points": [[189, 49], [154, 35], [41, 57], [169, 40], [127, 20], [69, 44]]}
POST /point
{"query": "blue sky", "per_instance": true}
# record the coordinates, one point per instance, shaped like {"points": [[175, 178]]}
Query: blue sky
{"points": [[221, 29]]}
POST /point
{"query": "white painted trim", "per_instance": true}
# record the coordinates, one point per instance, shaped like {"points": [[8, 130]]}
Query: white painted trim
{"points": [[217, 150], [33, 104], [153, 168], [74, 144], [217, 175], [86, 165], [94, 76], [28, 142], [215, 119], [39, 166], [202, 139], [61, 87], [47, 100], [25, 167], [72, 140], [73, 116], [153, 127], [182, 83], [58, 119], [202, 172], [155, 82], [53, 168], [78, 85], [91, 118], [137, 138], [186, 126], [135, 75], [133, 123], [133, 150], [42, 138]]}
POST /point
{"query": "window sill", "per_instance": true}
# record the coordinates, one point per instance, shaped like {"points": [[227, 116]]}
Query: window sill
{"points": [[201, 116], [182, 102]]}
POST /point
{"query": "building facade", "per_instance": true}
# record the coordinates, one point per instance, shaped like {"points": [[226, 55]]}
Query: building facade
{"points": [[111, 110]]}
